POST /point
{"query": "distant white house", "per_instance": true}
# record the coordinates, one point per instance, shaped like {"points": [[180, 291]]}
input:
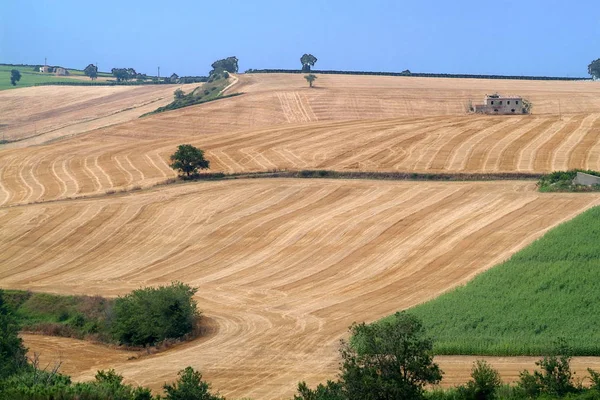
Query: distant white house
{"points": [[496, 104], [45, 69]]}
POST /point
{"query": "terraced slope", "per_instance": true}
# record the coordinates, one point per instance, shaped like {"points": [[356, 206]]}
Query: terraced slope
{"points": [[124, 157], [49, 112], [283, 266]]}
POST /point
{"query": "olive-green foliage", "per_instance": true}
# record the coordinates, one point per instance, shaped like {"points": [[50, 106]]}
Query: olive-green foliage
{"points": [[389, 360], [188, 159], [15, 76], [562, 181], [149, 315], [43, 385], [330, 391], [553, 377], [12, 351], [68, 316], [189, 386], [546, 291], [310, 78], [594, 69], [484, 384]]}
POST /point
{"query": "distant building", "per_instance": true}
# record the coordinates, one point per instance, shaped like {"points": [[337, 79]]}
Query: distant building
{"points": [[61, 71], [45, 69], [496, 104]]}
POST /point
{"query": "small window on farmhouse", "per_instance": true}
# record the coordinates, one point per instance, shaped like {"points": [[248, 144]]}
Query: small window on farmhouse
{"points": [[508, 102], [495, 110], [492, 101], [517, 102], [500, 102], [513, 110]]}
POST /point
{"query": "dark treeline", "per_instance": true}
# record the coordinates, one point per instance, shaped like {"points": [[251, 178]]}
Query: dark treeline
{"points": [[418, 74]]}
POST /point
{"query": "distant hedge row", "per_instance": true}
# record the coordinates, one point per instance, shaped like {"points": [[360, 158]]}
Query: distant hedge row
{"points": [[417, 74], [96, 83]]}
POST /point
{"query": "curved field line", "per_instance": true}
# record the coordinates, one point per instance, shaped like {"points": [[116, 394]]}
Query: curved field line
{"points": [[283, 265]]}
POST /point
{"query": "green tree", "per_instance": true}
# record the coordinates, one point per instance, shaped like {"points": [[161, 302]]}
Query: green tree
{"points": [[124, 74], [310, 78], [594, 69], [307, 60], [330, 391], [484, 382], [12, 352], [15, 76], [392, 359], [229, 64], [178, 94], [188, 159], [554, 376], [91, 71], [189, 386], [149, 315]]}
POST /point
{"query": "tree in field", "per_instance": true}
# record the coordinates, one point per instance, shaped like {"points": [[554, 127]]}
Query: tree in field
{"points": [[124, 74], [189, 386], [12, 352], [178, 93], [594, 69], [91, 71], [310, 78], [307, 60], [15, 76], [147, 316], [388, 360], [188, 160], [229, 64]]}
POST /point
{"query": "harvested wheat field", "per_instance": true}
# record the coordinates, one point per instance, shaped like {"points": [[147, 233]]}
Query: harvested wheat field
{"points": [[45, 113], [261, 131], [119, 158], [283, 266]]}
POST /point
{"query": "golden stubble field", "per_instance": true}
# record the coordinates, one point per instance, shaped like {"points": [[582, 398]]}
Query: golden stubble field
{"points": [[283, 266], [352, 123]]}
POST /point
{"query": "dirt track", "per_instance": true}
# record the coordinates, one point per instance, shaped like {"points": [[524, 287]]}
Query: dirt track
{"points": [[283, 266]]}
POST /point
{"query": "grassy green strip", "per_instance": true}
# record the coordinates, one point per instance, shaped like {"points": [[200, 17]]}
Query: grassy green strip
{"points": [[81, 317], [547, 291], [209, 91], [562, 181]]}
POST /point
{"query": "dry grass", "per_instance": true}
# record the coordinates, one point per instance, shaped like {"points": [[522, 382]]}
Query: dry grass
{"points": [[283, 266]]}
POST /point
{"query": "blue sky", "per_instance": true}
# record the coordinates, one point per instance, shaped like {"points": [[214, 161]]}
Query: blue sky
{"points": [[508, 37]]}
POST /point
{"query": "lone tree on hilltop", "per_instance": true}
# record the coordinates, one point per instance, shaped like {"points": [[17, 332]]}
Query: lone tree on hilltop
{"points": [[310, 78], [15, 76], [188, 159], [307, 60], [91, 71], [594, 69]]}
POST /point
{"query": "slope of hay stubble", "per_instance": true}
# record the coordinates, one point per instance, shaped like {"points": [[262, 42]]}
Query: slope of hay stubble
{"points": [[45, 113], [347, 123], [283, 266]]}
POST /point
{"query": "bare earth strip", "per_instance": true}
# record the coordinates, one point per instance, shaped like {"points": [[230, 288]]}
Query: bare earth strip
{"points": [[284, 266]]}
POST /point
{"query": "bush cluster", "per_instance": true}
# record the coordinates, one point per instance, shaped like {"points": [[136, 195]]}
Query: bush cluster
{"points": [[150, 315], [562, 181]]}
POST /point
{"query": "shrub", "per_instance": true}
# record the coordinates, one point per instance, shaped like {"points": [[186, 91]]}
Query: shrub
{"points": [[484, 383], [189, 386], [149, 315], [12, 351]]}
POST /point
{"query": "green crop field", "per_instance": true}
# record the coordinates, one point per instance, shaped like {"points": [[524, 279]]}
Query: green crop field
{"points": [[546, 292], [28, 77]]}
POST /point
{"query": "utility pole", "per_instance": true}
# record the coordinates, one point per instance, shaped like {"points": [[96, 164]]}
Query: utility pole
{"points": [[159, 73]]}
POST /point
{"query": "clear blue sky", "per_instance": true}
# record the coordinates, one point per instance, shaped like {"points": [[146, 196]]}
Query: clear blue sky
{"points": [[509, 37]]}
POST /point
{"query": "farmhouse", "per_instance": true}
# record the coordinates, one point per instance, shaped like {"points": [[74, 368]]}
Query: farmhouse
{"points": [[45, 69], [61, 71], [496, 104]]}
